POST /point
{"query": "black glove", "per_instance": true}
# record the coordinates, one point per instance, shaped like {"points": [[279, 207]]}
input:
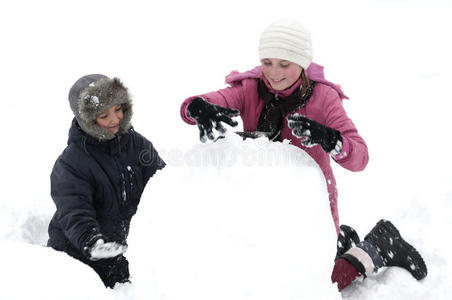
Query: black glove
{"points": [[113, 270], [313, 132], [206, 114]]}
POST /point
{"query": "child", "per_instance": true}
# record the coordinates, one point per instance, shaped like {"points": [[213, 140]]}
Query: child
{"points": [[287, 97], [97, 182]]}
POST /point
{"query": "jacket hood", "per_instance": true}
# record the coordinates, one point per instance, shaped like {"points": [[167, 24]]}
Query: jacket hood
{"points": [[79, 136], [92, 95]]}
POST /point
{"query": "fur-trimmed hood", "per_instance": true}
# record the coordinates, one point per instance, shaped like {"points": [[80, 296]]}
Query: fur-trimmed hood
{"points": [[92, 95]]}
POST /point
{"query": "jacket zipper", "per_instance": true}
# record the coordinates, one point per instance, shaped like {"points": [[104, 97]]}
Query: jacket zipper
{"points": [[131, 173], [123, 179]]}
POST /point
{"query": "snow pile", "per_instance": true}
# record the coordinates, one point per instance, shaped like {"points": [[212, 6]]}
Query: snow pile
{"points": [[230, 220], [250, 221], [36, 272], [22, 221], [422, 223]]}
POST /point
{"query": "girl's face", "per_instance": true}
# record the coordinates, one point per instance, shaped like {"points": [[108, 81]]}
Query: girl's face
{"points": [[280, 73], [111, 118]]}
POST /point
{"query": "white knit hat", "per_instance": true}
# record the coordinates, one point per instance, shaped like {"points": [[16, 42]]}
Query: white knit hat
{"points": [[288, 40]]}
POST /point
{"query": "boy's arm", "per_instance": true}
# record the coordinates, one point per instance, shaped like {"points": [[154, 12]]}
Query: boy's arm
{"points": [[73, 197], [149, 160]]}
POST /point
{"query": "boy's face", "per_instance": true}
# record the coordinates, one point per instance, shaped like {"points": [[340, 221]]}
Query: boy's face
{"points": [[111, 118]]}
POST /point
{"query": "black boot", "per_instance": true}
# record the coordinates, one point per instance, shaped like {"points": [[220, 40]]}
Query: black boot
{"points": [[394, 250], [346, 239]]}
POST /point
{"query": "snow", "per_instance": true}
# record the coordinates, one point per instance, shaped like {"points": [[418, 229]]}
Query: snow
{"points": [[36, 272], [224, 227], [95, 100], [251, 240], [228, 228], [106, 250]]}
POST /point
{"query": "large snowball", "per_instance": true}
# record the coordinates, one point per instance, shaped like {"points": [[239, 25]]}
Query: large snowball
{"points": [[235, 220]]}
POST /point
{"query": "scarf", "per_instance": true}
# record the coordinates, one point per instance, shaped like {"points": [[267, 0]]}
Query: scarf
{"points": [[276, 108]]}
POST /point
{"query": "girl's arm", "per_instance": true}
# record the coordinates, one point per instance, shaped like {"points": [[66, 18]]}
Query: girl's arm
{"points": [[354, 155], [230, 97]]}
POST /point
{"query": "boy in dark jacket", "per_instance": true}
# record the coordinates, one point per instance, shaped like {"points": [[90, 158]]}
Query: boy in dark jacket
{"points": [[97, 182]]}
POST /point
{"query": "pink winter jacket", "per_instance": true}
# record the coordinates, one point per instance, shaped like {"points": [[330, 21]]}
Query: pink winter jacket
{"points": [[324, 106]]}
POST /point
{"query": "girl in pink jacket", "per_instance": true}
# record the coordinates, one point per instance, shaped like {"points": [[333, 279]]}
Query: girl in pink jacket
{"points": [[288, 97]]}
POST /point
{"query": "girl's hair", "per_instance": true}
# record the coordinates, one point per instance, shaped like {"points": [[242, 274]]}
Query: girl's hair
{"points": [[304, 82]]}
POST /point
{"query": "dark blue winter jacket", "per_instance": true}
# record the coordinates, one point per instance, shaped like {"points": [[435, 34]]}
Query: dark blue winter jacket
{"points": [[97, 186]]}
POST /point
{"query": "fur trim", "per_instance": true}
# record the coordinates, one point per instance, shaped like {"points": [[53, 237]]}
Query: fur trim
{"points": [[95, 99]]}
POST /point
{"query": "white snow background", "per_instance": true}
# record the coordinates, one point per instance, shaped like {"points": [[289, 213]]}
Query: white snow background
{"points": [[230, 220]]}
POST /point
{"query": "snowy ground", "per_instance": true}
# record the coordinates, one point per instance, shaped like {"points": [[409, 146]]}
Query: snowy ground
{"points": [[393, 61]]}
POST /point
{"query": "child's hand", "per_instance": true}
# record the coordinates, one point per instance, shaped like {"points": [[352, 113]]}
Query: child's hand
{"points": [[313, 133], [101, 250], [207, 115]]}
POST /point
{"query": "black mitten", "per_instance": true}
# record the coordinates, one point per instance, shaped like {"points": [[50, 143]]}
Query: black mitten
{"points": [[207, 115], [313, 133], [118, 272], [113, 270]]}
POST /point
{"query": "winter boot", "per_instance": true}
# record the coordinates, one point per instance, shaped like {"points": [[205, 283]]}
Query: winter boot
{"points": [[346, 239], [394, 250]]}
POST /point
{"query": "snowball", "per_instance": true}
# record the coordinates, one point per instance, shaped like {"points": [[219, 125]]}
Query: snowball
{"points": [[234, 220]]}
